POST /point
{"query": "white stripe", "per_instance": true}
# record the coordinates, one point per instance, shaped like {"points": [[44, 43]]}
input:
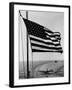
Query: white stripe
{"points": [[55, 33], [48, 33], [39, 48], [40, 43], [43, 39], [52, 38], [40, 38]]}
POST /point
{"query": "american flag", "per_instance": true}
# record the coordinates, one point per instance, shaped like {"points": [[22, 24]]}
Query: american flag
{"points": [[42, 39]]}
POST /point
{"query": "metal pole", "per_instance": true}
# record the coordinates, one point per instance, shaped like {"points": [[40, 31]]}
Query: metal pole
{"points": [[21, 34], [28, 75]]}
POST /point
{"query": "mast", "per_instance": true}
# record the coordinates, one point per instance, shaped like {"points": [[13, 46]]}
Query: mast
{"points": [[28, 73]]}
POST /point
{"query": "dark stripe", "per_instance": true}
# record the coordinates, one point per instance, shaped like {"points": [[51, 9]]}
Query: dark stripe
{"points": [[46, 47], [49, 39], [49, 43], [35, 50], [47, 30]]}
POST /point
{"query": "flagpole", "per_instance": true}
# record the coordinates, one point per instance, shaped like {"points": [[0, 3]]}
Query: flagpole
{"points": [[20, 32], [28, 72], [28, 75], [32, 71], [22, 50]]}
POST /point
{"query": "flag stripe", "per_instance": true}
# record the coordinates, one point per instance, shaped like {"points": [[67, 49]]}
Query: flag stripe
{"points": [[53, 38], [45, 40], [49, 31], [48, 43], [52, 35], [44, 44], [40, 48], [46, 47], [37, 50]]}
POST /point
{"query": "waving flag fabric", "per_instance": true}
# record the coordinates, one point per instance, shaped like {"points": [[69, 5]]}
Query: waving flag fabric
{"points": [[42, 39]]}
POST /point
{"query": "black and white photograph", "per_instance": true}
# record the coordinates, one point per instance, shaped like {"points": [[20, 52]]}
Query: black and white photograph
{"points": [[40, 41], [45, 34]]}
